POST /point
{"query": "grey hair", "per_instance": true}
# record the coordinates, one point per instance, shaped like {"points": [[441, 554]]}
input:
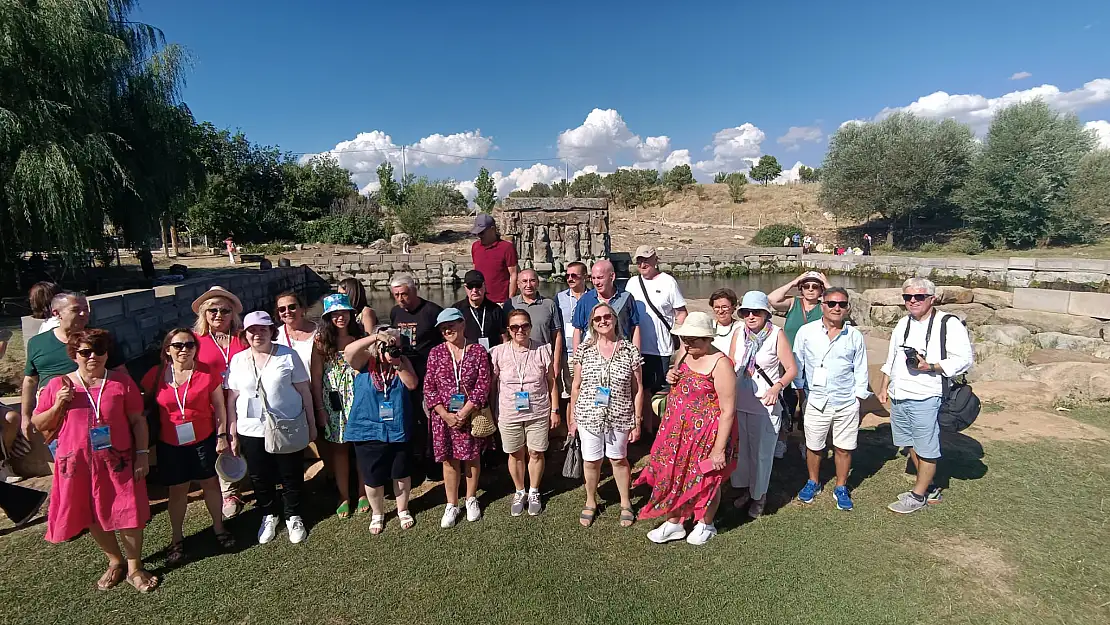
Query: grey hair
{"points": [[59, 300], [920, 283], [402, 279]]}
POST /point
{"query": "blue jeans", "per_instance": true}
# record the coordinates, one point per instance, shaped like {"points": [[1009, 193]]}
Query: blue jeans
{"points": [[913, 423]]}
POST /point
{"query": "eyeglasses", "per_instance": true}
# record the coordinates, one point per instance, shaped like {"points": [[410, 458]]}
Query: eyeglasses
{"points": [[289, 308], [600, 318], [89, 351], [750, 312], [179, 346], [723, 307], [219, 311], [573, 276], [836, 304], [692, 340], [520, 328], [917, 297]]}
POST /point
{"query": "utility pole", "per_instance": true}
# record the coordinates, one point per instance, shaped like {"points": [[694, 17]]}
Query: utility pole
{"points": [[567, 191], [404, 173]]}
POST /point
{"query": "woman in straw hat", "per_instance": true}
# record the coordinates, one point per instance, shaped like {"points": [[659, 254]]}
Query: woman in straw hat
{"points": [[696, 445]]}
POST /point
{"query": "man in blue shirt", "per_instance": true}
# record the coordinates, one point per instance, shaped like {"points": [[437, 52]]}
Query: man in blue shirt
{"points": [[832, 369], [604, 278]]}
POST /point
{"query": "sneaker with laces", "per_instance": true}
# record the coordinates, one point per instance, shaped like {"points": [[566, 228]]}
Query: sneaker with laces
{"points": [[756, 509], [232, 506], [297, 532], [843, 498], [534, 505], [932, 496], [809, 491], [667, 532], [701, 534], [473, 510], [907, 504], [450, 516], [517, 507], [780, 449], [268, 529], [7, 474]]}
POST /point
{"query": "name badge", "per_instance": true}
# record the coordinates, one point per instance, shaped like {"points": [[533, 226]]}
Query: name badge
{"points": [[522, 402], [457, 402], [100, 437], [484, 342], [185, 433], [225, 374], [820, 377], [602, 397], [385, 411]]}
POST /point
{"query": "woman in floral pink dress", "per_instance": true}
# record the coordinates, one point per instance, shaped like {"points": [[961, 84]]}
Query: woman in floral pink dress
{"points": [[457, 386], [696, 446], [101, 463]]}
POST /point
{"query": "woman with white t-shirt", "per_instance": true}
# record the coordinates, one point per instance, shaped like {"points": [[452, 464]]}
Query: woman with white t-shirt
{"points": [[296, 332], [269, 376], [757, 351], [723, 302]]}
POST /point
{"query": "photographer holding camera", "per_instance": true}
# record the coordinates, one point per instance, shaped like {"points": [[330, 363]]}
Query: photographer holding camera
{"points": [[913, 378], [380, 423]]}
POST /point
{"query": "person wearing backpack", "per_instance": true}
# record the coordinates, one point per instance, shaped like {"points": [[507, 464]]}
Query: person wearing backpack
{"points": [[926, 353]]}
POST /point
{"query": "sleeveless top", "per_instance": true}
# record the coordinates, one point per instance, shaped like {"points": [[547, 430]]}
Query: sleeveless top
{"points": [[365, 422], [749, 391], [795, 318]]}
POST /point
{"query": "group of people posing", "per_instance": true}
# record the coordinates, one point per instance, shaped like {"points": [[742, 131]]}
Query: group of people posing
{"points": [[435, 388]]}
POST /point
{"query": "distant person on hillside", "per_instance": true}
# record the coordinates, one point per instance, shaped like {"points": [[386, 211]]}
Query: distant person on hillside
{"points": [[866, 244], [786, 241], [495, 258], [230, 250], [796, 240]]}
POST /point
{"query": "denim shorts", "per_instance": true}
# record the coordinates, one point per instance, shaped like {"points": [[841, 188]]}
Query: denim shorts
{"points": [[913, 423]]}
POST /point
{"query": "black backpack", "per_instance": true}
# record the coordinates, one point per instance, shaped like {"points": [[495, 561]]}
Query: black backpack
{"points": [[959, 406]]}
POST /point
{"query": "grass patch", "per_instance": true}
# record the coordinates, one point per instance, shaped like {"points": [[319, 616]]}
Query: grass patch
{"points": [[1092, 414], [985, 555], [992, 406]]}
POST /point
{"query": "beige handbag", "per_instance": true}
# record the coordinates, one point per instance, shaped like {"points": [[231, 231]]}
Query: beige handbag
{"points": [[482, 423]]}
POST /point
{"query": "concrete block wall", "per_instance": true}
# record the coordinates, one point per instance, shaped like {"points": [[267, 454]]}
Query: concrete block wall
{"points": [[1014, 272], [1096, 305]]}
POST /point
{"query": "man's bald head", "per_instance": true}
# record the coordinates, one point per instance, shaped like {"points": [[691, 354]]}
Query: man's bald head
{"points": [[603, 277]]}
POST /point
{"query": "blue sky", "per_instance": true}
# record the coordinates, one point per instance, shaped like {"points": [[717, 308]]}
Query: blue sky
{"points": [[713, 84]]}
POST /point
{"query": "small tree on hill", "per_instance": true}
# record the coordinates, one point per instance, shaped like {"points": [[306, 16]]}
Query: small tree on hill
{"points": [[766, 170], [487, 192], [720, 177], [678, 178], [737, 183], [389, 193]]}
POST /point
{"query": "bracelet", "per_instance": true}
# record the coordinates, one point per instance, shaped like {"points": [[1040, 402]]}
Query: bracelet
{"points": [[142, 451], [227, 436]]}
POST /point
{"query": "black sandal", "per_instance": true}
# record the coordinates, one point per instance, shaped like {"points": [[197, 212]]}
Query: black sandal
{"points": [[627, 516], [175, 555], [589, 515], [225, 539]]}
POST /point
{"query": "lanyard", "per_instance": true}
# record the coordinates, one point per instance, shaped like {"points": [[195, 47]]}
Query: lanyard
{"points": [[832, 343], [226, 353], [481, 324], [606, 376], [456, 366], [257, 371], [521, 366], [181, 399], [382, 371], [99, 396]]}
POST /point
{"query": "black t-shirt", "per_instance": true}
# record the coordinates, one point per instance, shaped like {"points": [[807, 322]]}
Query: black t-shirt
{"points": [[486, 321], [419, 326]]}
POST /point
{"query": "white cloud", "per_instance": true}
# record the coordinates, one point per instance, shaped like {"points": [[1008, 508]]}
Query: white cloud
{"points": [[790, 175], [797, 135], [1102, 129], [520, 178], [469, 144], [362, 155], [977, 110], [734, 149], [601, 137], [468, 189], [1020, 76], [653, 148]]}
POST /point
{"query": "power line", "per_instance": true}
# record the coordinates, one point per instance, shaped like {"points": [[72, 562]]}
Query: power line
{"points": [[443, 154]]}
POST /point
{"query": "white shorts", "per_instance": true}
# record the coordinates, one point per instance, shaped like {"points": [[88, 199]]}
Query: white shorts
{"points": [[609, 444], [843, 421]]}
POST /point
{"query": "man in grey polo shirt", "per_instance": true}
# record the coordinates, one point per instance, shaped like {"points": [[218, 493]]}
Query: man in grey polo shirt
{"points": [[547, 321]]}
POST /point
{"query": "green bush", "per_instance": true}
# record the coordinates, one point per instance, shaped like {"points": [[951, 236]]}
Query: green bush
{"points": [[345, 229], [930, 246], [266, 249], [963, 245], [772, 235]]}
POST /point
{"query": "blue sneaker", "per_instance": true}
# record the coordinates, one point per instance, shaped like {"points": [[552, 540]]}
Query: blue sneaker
{"points": [[843, 499], [809, 491]]}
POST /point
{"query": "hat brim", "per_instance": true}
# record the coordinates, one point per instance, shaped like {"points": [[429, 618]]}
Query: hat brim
{"points": [[697, 333], [339, 309], [479, 230], [236, 305]]}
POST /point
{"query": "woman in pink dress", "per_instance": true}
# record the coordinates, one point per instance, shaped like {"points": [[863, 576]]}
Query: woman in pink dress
{"points": [[696, 446], [101, 463]]}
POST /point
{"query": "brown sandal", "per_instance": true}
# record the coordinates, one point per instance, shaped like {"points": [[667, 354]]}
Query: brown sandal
{"points": [[143, 580], [112, 577]]}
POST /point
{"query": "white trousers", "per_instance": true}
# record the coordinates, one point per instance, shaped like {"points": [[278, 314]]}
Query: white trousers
{"points": [[755, 452]]}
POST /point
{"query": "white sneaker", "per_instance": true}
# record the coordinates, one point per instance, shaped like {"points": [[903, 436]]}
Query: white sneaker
{"points": [[701, 534], [780, 449], [450, 516], [297, 532], [7, 474], [667, 532], [473, 510], [268, 530]]}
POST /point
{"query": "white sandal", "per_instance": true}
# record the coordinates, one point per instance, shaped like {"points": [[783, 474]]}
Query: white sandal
{"points": [[377, 524], [406, 519]]}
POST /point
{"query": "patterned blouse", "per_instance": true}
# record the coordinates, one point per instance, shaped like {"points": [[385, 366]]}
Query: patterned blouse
{"points": [[617, 374], [473, 373], [338, 377]]}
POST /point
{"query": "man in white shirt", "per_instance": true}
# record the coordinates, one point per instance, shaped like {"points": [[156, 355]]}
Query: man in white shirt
{"points": [[832, 369], [913, 379], [661, 307]]}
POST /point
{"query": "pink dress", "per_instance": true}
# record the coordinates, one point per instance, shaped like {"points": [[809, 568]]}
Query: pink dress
{"points": [[439, 384], [686, 436], [95, 488]]}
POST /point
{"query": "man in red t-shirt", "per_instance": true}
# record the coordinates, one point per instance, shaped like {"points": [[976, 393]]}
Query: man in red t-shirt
{"points": [[495, 258]]}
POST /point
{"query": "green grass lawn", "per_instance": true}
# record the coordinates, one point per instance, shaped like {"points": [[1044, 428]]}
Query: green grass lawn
{"points": [[1022, 537]]}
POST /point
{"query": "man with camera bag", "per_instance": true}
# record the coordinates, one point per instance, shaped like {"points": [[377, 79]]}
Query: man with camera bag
{"points": [[913, 378]]}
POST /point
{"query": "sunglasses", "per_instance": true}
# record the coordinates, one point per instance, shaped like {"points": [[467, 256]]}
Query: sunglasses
{"points": [[749, 312], [89, 351], [573, 276], [692, 340], [600, 318], [289, 308], [179, 346], [836, 304], [474, 287], [917, 297], [812, 286], [219, 311], [520, 328]]}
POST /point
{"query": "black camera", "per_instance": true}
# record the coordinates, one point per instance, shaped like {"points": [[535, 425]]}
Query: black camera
{"points": [[912, 356], [393, 351]]}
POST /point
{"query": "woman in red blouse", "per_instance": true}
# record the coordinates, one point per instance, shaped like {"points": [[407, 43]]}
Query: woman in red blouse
{"points": [[192, 430]]}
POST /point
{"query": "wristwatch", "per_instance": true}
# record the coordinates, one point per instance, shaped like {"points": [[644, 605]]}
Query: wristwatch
{"points": [[142, 451]]}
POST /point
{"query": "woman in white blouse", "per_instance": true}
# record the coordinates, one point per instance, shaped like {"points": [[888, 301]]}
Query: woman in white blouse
{"points": [[296, 332], [270, 376]]}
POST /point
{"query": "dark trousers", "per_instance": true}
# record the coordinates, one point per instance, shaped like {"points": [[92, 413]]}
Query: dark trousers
{"points": [[268, 470]]}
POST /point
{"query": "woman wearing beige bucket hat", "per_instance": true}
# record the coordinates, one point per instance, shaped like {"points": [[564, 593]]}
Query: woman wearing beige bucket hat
{"points": [[696, 446]]}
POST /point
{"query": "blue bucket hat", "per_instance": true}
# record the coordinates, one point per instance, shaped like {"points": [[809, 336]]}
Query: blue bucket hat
{"points": [[448, 315], [336, 302], [756, 300]]}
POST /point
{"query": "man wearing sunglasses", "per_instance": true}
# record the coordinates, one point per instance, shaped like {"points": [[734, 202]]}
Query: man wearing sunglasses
{"points": [[832, 369], [913, 379], [485, 320], [568, 300]]}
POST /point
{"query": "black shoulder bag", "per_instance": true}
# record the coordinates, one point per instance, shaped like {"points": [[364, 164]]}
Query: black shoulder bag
{"points": [[959, 406], [643, 288]]}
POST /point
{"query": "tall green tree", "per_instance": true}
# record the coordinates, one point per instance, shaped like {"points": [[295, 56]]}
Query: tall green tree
{"points": [[588, 185], [311, 188], [678, 178], [389, 192], [1017, 190], [902, 168], [487, 191], [559, 189], [632, 187], [766, 170], [1089, 190]]}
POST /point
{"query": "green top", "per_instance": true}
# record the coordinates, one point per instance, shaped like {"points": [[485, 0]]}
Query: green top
{"points": [[795, 318], [47, 358]]}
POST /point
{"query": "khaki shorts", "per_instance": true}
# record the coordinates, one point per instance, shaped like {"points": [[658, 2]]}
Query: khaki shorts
{"points": [[843, 421], [533, 433]]}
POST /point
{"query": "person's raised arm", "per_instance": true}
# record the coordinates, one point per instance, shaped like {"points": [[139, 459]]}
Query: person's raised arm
{"points": [[369, 320], [355, 353], [780, 298]]}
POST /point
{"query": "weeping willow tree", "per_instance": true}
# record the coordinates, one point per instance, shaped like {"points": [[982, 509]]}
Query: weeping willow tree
{"points": [[92, 130]]}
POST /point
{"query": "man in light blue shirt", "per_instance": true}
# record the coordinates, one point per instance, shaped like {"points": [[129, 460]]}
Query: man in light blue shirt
{"points": [[832, 369]]}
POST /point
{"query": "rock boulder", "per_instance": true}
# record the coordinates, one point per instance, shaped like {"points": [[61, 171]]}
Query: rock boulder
{"points": [[954, 295], [995, 368], [1056, 340], [1038, 321], [1003, 335], [1048, 356], [886, 315], [972, 314], [993, 299], [883, 297], [1081, 381]]}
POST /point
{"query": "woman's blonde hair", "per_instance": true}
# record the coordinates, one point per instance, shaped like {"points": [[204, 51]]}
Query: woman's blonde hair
{"points": [[591, 336], [201, 325]]}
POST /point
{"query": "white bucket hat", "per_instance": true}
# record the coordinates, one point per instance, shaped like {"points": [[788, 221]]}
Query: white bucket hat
{"points": [[231, 468], [697, 324]]}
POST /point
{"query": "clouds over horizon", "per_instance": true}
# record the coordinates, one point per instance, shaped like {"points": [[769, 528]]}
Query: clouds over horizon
{"points": [[1102, 132]]}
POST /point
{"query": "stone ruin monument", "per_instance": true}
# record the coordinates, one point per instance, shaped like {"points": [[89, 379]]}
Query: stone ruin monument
{"points": [[549, 233]]}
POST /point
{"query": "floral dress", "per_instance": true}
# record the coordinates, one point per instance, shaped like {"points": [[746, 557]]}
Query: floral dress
{"points": [[440, 383], [339, 377], [686, 437]]}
